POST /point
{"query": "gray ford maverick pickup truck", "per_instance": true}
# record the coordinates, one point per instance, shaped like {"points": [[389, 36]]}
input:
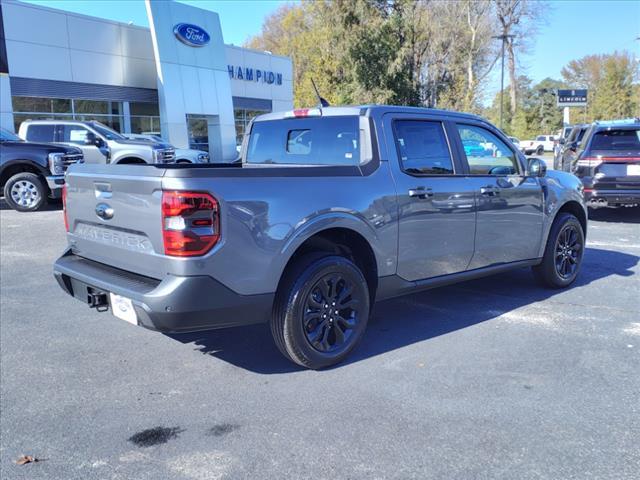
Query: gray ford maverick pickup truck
{"points": [[330, 210]]}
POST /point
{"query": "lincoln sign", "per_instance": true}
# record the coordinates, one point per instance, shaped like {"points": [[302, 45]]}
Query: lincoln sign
{"points": [[572, 98]]}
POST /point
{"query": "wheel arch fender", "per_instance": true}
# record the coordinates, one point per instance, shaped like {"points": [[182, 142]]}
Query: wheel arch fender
{"points": [[562, 194], [8, 169], [129, 159], [329, 223]]}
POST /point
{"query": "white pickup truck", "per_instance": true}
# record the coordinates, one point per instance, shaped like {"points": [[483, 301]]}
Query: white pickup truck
{"points": [[542, 143]]}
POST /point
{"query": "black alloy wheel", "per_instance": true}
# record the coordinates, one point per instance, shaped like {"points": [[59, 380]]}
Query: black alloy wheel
{"points": [[568, 251], [331, 313], [321, 310], [563, 253]]}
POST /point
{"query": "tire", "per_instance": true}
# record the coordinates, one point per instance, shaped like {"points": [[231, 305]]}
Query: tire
{"points": [[25, 192], [563, 253], [304, 324], [540, 150]]}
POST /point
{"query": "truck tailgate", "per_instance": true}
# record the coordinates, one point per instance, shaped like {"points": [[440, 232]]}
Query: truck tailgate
{"points": [[114, 215]]}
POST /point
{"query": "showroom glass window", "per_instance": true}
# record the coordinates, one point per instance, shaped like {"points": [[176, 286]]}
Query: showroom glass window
{"points": [[198, 130], [145, 118], [40, 108]]}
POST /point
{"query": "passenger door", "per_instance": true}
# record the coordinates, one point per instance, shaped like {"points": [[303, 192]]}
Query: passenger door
{"points": [[436, 211], [80, 137], [509, 203]]}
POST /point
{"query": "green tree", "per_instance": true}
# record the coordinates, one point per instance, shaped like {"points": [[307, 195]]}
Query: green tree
{"points": [[385, 51], [612, 83]]}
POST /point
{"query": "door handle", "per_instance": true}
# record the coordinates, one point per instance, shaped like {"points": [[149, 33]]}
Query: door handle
{"points": [[489, 191], [420, 192]]}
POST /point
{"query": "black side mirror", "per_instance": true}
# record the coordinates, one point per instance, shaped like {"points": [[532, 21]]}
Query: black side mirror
{"points": [[561, 141], [90, 139], [536, 167], [573, 146]]}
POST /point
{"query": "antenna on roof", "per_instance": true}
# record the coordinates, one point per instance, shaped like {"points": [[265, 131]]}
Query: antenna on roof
{"points": [[321, 101]]}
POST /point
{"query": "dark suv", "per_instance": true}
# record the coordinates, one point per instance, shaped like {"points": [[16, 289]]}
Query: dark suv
{"points": [[608, 163], [566, 154], [30, 173]]}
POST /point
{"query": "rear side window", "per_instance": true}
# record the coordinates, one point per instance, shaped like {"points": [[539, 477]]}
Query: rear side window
{"points": [[616, 140], [40, 133], [422, 147], [306, 141]]}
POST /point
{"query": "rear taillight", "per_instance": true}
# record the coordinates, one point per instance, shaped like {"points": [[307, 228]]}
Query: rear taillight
{"points": [[190, 223], [64, 207], [303, 112], [589, 162]]}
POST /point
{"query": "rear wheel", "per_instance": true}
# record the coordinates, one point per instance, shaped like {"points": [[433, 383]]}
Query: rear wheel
{"points": [[563, 253], [540, 150], [25, 192], [321, 310]]}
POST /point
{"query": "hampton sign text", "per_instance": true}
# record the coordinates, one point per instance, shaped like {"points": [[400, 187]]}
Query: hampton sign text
{"points": [[254, 75]]}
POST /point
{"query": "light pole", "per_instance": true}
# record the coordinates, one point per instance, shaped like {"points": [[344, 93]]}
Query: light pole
{"points": [[504, 38]]}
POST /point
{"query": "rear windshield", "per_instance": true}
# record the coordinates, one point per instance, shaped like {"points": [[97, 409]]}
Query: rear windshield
{"points": [[306, 141], [627, 139]]}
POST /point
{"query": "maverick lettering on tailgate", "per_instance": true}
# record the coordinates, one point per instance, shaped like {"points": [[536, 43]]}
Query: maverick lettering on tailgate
{"points": [[130, 241]]}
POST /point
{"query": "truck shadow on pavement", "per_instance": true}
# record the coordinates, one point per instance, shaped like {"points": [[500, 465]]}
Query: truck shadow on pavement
{"points": [[414, 318], [615, 215], [52, 205]]}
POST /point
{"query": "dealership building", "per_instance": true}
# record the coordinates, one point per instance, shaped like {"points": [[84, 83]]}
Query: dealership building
{"points": [[177, 77]]}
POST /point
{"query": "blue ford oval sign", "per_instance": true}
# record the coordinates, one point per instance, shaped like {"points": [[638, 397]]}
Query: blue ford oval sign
{"points": [[191, 35]]}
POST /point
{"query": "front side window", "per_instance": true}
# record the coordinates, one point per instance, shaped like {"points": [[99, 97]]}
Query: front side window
{"points": [[40, 133], [306, 141], [422, 147], [486, 153]]}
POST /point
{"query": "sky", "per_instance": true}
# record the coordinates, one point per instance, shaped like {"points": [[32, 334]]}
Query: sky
{"points": [[570, 30]]}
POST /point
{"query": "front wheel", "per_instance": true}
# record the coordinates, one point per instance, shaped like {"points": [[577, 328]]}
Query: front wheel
{"points": [[540, 150], [321, 310], [563, 253], [25, 192]]}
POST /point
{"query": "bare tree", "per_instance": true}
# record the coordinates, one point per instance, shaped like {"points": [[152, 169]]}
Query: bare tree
{"points": [[518, 18]]}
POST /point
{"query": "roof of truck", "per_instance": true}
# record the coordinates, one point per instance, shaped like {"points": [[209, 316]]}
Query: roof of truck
{"points": [[367, 110]]}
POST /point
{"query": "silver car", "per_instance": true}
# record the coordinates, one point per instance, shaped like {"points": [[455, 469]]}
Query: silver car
{"points": [[183, 155]]}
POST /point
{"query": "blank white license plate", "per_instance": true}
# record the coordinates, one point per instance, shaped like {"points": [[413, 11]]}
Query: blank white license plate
{"points": [[122, 308], [633, 170]]}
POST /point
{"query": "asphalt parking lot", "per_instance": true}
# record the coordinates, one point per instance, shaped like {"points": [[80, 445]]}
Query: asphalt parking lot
{"points": [[494, 378]]}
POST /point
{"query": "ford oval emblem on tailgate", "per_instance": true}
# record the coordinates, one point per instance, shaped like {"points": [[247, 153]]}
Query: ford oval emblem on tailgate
{"points": [[104, 211]]}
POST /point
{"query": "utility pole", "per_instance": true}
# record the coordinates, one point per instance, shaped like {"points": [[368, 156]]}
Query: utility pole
{"points": [[504, 38]]}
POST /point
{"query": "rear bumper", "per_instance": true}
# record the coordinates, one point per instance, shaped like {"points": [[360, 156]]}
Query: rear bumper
{"points": [[603, 198], [172, 305]]}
